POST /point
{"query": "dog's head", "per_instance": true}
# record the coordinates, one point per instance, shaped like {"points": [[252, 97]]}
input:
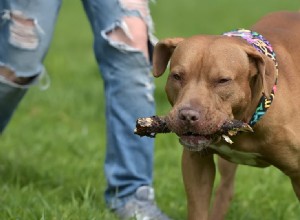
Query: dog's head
{"points": [[212, 79]]}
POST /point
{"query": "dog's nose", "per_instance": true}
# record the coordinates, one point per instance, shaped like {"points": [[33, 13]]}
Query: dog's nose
{"points": [[189, 115]]}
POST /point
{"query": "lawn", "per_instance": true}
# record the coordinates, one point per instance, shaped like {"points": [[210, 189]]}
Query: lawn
{"points": [[52, 152]]}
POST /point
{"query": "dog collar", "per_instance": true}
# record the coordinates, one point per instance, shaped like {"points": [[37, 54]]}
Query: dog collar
{"points": [[264, 47]]}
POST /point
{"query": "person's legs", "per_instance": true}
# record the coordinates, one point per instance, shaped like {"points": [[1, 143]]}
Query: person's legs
{"points": [[122, 30], [25, 32]]}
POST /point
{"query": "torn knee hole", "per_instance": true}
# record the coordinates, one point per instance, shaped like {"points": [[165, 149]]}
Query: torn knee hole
{"points": [[20, 18], [23, 32], [132, 31], [11, 76]]}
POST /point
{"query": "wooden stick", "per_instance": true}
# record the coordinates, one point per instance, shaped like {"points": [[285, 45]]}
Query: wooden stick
{"points": [[150, 126]]}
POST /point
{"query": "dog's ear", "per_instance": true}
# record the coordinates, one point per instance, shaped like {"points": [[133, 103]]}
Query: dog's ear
{"points": [[162, 53], [260, 70]]}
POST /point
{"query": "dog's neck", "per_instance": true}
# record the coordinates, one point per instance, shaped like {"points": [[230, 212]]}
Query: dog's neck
{"points": [[264, 47]]}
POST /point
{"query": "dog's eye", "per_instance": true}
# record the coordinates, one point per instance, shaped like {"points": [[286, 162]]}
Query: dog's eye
{"points": [[176, 76], [223, 80]]}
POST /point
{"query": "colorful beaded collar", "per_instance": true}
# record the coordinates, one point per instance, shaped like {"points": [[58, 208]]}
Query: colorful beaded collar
{"points": [[264, 47]]}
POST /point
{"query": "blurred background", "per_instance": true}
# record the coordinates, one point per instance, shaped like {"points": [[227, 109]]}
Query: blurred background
{"points": [[52, 152]]}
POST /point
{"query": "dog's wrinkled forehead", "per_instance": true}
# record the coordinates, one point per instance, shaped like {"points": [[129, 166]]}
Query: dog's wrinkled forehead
{"points": [[222, 53]]}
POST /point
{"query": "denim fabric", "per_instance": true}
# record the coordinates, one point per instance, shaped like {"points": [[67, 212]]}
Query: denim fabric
{"points": [[10, 95], [126, 74], [24, 61]]}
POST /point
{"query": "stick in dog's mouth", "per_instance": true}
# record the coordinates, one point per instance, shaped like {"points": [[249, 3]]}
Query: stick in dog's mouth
{"points": [[150, 126]]}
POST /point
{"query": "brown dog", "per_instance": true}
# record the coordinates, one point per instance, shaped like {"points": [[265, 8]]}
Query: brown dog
{"points": [[214, 79]]}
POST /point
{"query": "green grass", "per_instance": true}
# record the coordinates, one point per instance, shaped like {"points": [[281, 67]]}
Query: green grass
{"points": [[51, 155]]}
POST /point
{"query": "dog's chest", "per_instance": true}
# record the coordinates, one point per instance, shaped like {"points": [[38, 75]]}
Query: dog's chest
{"points": [[239, 157]]}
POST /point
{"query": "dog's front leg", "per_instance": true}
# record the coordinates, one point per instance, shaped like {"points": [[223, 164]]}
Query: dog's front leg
{"points": [[198, 177], [225, 191]]}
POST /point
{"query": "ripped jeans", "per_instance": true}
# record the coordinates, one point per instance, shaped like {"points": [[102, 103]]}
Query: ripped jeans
{"points": [[122, 46]]}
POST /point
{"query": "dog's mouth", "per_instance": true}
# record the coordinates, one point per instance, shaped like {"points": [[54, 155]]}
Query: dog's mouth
{"points": [[193, 141], [197, 142]]}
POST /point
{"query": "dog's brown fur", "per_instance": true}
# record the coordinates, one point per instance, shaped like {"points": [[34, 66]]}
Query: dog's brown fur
{"points": [[217, 78]]}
